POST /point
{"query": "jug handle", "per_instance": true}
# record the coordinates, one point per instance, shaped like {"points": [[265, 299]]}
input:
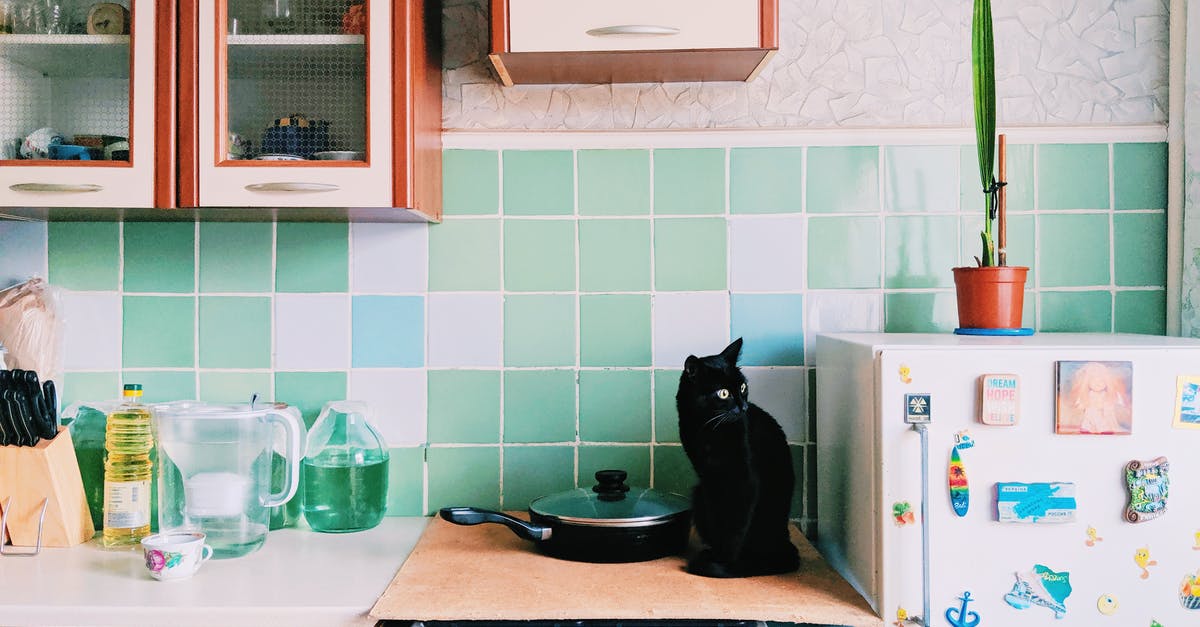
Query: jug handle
{"points": [[291, 430]]}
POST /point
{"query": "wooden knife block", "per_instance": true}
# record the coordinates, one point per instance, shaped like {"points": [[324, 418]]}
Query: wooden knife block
{"points": [[31, 474]]}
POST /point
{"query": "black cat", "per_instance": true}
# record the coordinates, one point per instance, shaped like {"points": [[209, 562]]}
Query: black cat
{"points": [[742, 501]]}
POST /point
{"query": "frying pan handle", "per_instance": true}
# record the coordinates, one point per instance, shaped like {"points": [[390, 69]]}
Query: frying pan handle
{"points": [[474, 516]]}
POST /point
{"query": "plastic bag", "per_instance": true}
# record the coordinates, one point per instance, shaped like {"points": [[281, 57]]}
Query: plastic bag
{"points": [[31, 328]]}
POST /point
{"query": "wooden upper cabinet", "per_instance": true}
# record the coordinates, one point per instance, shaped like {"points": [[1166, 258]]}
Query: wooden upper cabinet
{"points": [[631, 41]]}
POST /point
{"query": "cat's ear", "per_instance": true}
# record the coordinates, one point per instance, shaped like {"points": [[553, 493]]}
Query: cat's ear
{"points": [[732, 352], [691, 366]]}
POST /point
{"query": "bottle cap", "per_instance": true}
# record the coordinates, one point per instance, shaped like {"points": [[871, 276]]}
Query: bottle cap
{"points": [[132, 389]]}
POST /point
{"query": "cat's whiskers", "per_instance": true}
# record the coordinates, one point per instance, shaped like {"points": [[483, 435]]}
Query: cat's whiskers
{"points": [[719, 418]]}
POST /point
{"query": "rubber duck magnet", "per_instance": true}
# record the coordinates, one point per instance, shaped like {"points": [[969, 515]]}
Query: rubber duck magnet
{"points": [[1141, 557], [999, 399], [1148, 484]]}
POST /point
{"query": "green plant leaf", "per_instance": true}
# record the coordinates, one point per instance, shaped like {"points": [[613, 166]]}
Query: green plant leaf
{"points": [[983, 74]]}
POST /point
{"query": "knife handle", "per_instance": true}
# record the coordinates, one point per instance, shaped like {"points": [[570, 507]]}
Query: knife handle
{"points": [[51, 398]]}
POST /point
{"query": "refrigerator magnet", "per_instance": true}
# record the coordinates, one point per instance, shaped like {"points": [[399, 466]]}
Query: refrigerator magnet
{"points": [[902, 513], [1036, 503], [1187, 403], [917, 409], [1148, 484], [956, 478], [1196, 541], [1107, 604], [1189, 592], [905, 374], [1094, 398], [999, 399], [1141, 557], [961, 616], [1093, 536], [1028, 590]]}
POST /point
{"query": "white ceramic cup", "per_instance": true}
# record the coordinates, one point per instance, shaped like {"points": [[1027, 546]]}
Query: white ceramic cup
{"points": [[175, 555]]}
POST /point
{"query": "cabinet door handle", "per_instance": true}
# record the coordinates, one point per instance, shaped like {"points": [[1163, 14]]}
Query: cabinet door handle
{"points": [[62, 188], [634, 30], [292, 187]]}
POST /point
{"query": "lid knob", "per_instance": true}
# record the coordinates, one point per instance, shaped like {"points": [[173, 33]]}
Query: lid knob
{"points": [[610, 485]]}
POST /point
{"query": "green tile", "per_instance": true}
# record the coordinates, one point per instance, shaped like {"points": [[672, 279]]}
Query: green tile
{"points": [[539, 406], [464, 255], [932, 312], [533, 471], [798, 490], [158, 331], [921, 179], [614, 406], [539, 182], [921, 250], [689, 254], [235, 332], [160, 257], [234, 387], [614, 330], [1072, 176], [614, 182], [1140, 246], [468, 476], [470, 182], [309, 391], [539, 330], [84, 255], [539, 255], [1141, 176], [766, 180], [1019, 190], [689, 181], [666, 416], [673, 471], [634, 460], [614, 255], [236, 257], [843, 179], [163, 386], [1074, 250], [1020, 242], [843, 252], [406, 481], [464, 406], [1141, 311], [312, 257], [89, 386], [1077, 312]]}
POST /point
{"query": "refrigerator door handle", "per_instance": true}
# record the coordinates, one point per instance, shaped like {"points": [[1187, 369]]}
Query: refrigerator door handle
{"points": [[923, 430]]}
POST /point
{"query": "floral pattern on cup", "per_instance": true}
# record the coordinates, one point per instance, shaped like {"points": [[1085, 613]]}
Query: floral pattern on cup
{"points": [[157, 560]]}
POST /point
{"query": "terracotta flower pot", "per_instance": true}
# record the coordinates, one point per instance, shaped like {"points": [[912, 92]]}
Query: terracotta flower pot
{"points": [[990, 298]]}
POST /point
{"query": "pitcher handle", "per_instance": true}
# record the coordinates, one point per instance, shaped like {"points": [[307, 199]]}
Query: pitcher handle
{"points": [[291, 430]]}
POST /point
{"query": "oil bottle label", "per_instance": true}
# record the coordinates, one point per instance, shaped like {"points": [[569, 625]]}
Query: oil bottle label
{"points": [[126, 504]]}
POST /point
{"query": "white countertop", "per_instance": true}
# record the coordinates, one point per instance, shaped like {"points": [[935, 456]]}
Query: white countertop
{"points": [[298, 577]]}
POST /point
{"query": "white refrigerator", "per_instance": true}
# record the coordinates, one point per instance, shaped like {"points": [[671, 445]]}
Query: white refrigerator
{"points": [[1046, 536]]}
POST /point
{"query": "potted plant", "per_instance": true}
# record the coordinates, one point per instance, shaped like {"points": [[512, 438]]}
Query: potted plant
{"points": [[991, 294]]}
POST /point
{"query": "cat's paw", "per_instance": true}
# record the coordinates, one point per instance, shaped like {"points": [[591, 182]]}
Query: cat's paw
{"points": [[705, 566]]}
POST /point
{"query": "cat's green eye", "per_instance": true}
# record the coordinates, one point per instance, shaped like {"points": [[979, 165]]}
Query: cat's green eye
{"points": [[722, 394]]}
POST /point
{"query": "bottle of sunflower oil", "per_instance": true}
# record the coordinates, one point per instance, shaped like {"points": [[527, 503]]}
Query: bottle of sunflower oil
{"points": [[127, 471]]}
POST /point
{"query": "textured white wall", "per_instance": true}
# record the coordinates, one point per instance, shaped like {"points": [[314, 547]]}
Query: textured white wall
{"points": [[857, 63]]}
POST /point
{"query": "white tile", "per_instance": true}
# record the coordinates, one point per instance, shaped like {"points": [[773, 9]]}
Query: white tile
{"points": [[689, 324], [783, 392], [312, 331], [397, 401], [838, 312], [464, 329], [22, 251], [92, 330], [389, 258], [766, 254]]}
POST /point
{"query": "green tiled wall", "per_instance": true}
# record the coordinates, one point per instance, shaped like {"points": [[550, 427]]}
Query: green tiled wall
{"points": [[536, 335]]}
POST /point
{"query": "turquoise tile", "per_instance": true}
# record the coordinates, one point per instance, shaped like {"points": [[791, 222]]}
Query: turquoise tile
{"points": [[843, 252], [771, 327], [406, 481], [464, 477], [921, 179], [236, 257], [689, 254], [689, 181], [666, 415], [1141, 179], [1074, 250], [1019, 190], [1021, 241], [158, 331], [84, 255], [539, 255], [539, 406], [235, 332], [387, 331], [1140, 246], [464, 255], [920, 252], [672, 471], [614, 330], [766, 180], [470, 182], [614, 182], [922, 312], [533, 471], [1141, 311], [634, 460], [234, 387], [89, 386], [614, 405], [539, 330], [1072, 176], [1077, 312], [614, 255], [162, 386], [312, 257], [843, 179], [464, 406], [309, 391], [160, 257], [538, 183]]}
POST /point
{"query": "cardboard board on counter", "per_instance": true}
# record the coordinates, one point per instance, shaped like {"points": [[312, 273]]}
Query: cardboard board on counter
{"points": [[485, 572]]}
